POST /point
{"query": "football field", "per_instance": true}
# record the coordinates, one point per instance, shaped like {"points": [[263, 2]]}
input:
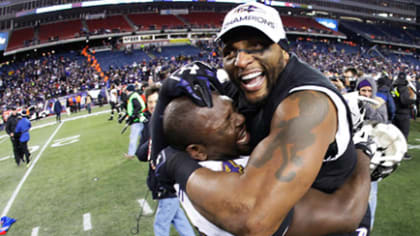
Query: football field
{"points": [[79, 183]]}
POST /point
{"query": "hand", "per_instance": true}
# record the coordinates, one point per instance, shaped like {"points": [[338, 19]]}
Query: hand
{"points": [[122, 118], [195, 80], [131, 119]]}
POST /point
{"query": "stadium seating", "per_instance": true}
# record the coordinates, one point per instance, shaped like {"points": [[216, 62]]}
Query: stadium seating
{"points": [[175, 51], [204, 19], [59, 31], [120, 59], [150, 21], [108, 25], [18, 38]]}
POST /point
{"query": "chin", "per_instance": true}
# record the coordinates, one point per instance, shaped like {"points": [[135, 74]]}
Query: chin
{"points": [[255, 99]]}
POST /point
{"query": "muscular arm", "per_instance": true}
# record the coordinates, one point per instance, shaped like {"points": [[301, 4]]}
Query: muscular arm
{"points": [[281, 169], [319, 213]]}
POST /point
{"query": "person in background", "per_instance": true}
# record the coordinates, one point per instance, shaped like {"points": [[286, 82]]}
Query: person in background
{"points": [[366, 86], [88, 103], [136, 117], [169, 210], [418, 95], [404, 97], [57, 110], [350, 78], [384, 92], [11, 123], [22, 131], [113, 102]]}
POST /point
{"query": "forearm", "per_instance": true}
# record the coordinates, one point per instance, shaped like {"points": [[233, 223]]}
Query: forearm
{"points": [[318, 213], [224, 199]]}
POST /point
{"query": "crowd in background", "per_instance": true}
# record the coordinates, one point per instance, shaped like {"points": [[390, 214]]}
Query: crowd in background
{"points": [[34, 81]]}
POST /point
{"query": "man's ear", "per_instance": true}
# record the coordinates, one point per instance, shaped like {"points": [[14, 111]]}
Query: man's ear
{"points": [[197, 151]]}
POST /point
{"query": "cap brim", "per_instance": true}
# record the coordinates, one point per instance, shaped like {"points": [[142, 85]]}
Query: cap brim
{"points": [[223, 35]]}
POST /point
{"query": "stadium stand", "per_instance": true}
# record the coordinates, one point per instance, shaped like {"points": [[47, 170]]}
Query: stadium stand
{"points": [[59, 31], [151, 21], [109, 24], [20, 38]]}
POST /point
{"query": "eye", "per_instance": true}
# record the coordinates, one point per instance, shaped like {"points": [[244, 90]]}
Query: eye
{"points": [[228, 53]]}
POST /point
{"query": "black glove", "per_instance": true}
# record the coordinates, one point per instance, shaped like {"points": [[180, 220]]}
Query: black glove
{"points": [[122, 118], [174, 166], [131, 119], [196, 80]]}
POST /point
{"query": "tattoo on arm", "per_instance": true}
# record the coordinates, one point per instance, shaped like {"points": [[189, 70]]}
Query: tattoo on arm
{"points": [[296, 132]]}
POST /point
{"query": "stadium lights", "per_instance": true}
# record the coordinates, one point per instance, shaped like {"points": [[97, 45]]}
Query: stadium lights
{"points": [[68, 6]]}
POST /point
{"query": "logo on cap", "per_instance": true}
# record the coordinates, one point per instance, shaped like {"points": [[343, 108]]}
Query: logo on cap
{"points": [[248, 9]]}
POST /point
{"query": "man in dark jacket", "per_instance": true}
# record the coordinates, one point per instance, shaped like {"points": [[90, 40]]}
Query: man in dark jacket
{"points": [[57, 110], [22, 128], [404, 96], [11, 123]]}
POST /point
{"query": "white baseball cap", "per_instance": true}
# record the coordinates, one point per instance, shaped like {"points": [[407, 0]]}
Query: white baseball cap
{"points": [[256, 15]]}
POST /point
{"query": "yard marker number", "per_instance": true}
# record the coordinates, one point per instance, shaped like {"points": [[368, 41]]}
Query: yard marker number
{"points": [[147, 210], [35, 231], [65, 141], [87, 225]]}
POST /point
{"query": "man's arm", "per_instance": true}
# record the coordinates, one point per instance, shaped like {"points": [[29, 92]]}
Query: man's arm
{"points": [[281, 169], [319, 213]]}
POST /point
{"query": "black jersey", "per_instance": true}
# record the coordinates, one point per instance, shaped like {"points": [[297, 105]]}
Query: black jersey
{"points": [[341, 158]]}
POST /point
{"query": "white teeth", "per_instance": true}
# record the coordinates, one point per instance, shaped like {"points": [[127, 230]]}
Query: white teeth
{"points": [[251, 75]]}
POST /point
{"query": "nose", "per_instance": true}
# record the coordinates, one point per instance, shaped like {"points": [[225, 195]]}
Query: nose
{"points": [[243, 59]]}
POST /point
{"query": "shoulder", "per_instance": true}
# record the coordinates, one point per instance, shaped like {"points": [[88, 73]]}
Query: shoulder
{"points": [[305, 109]]}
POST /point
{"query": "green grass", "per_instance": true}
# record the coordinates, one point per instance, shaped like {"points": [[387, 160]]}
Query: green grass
{"points": [[398, 209], [92, 175]]}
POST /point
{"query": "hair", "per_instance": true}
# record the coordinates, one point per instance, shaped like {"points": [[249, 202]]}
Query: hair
{"points": [[352, 70], [180, 123], [154, 88]]}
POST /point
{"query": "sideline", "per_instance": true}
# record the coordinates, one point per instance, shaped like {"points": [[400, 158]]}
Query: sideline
{"points": [[22, 181], [63, 120]]}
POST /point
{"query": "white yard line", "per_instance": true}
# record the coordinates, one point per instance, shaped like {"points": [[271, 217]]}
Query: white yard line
{"points": [[34, 161], [22, 181], [5, 158], [35, 231], [1, 141], [87, 225], [147, 210]]}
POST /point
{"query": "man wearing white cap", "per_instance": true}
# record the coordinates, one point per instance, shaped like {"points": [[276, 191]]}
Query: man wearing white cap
{"points": [[300, 130]]}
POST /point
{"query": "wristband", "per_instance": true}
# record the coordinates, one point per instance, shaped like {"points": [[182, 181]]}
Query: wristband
{"points": [[180, 167]]}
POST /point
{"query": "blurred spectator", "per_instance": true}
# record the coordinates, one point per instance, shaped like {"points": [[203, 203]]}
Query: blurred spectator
{"points": [[384, 92], [57, 110], [11, 123], [366, 87], [136, 117], [88, 103], [22, 131], [404, 97]]}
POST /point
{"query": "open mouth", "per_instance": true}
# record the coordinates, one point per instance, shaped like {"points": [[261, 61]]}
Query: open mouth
{"points": [[253, 81], [243, 137]]}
